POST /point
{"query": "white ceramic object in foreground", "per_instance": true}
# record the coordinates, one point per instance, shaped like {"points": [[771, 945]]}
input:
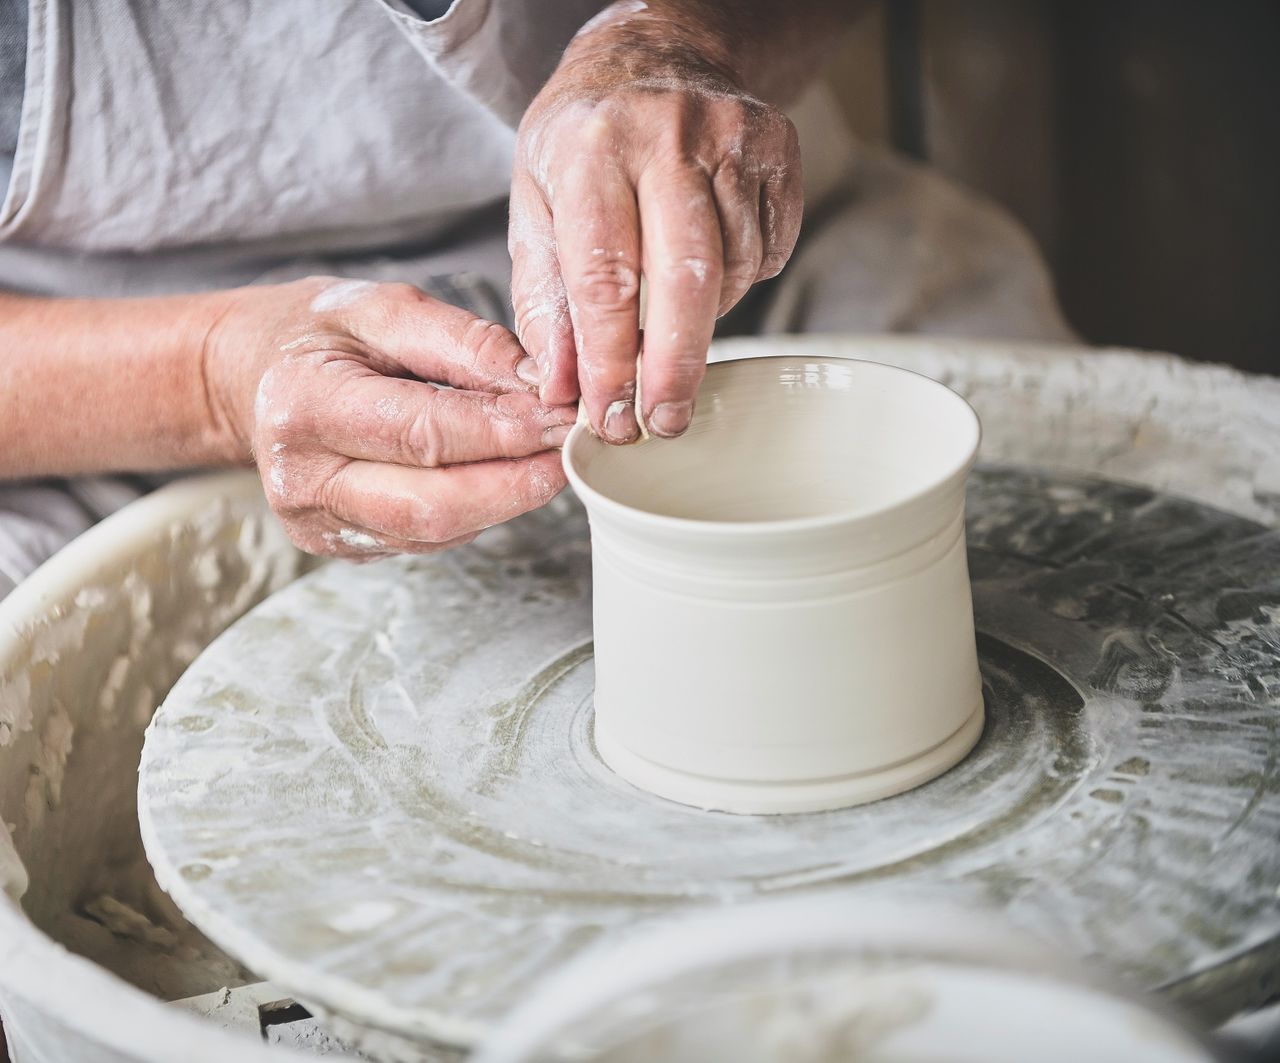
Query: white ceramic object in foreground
{"points": [[782, 610], [819, 978]]}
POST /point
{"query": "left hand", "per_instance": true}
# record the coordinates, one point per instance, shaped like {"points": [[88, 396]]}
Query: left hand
{"points": [[382, 420], [639, 157]]}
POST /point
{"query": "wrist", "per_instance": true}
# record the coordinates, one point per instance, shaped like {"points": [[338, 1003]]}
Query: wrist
{"points": [[225, 372], [625, 47], [767, 50]]}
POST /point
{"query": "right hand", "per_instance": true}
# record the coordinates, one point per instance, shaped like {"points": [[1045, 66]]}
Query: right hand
{"points": [[332, 387]]}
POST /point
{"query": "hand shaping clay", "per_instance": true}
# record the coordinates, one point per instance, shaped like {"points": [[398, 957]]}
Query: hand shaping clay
{"points": [[782, 611]]}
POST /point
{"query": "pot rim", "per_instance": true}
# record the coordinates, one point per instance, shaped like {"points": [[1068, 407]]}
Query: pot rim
{"points": [[952, 474]]}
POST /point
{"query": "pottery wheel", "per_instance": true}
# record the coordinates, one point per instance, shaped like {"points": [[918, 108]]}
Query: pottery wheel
{"points": [[378, 789]]}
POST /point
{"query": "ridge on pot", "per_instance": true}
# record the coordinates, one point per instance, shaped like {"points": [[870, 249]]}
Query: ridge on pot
{"points": [[783, 619]]}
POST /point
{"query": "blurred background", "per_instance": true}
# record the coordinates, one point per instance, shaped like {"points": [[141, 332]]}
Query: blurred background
{"points": [[1138, 140]]}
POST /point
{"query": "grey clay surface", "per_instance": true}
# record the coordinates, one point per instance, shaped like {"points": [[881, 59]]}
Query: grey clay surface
{"points": [[378, 789]]}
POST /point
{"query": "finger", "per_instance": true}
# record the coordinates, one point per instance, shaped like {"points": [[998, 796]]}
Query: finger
{"points": [[406, 422], [598, 242], [538, 295], [438, 505], [684, 267], [781, 211], [411, 333], [351, 543], [737, 194]]}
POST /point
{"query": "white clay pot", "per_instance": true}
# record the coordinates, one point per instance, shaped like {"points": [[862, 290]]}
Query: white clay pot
{"points": [[782, 612]]}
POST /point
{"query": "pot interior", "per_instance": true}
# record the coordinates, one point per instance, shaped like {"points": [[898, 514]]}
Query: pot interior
{"points": [[787, 438]]}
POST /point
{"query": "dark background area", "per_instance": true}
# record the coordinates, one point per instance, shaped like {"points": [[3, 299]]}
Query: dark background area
{"points": [[1138, 140]]}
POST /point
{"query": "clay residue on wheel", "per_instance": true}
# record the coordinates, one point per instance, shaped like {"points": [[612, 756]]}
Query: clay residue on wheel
{"points": [[417, 733]]}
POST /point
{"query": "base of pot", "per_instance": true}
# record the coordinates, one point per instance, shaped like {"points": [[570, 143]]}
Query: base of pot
{"points": [[774, 798]]}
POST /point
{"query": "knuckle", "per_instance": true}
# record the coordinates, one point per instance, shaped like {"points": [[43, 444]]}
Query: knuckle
{"points": [[512, 406], [308, 538], [772, 263], [527, 238], [329, 494], [788, 132], [533, 309], [766, 118], [277, 479], [503, 411], [733, 171], [608, 284], [315, 283], [489, 340], [397, 304], [740, 112], [744, 113], [280, 409], [697, 269], [510, 421], [400, 292], [435, 527], [423, 438], [540, 482], [599, 129], [420, 519], [742, 270], [481, 418]]}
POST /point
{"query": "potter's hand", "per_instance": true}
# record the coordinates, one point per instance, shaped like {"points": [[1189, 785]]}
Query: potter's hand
{"points": [[332, 386], [643, 154]]}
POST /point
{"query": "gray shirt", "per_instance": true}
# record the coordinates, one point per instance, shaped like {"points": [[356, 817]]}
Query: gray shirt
{"points": [[13, 70]]}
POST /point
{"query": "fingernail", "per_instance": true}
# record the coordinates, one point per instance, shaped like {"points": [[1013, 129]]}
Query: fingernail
{"points": [[670, 418], [620, 424], [556, 435], [528, 371]]}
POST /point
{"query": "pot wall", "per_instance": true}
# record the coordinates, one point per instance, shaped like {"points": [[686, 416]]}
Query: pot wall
{"points": [[809, 662]]}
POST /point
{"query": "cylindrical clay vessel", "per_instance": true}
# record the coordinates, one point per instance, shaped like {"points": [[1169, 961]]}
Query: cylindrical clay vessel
{"points": [[783, 620]]}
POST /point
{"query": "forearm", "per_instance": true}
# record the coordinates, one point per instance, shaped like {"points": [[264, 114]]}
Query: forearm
{"points": [[768, 48], [98, 385]]}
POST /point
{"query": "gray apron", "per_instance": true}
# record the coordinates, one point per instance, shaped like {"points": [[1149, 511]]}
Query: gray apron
{"points": [[167, 146]]}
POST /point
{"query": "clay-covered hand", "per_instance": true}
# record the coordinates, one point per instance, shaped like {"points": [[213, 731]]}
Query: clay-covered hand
{"points": [[642, 154], [335, 388]]}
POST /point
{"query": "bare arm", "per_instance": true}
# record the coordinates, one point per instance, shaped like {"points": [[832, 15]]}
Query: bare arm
{"points": [[90, 385], [381, 420]]}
